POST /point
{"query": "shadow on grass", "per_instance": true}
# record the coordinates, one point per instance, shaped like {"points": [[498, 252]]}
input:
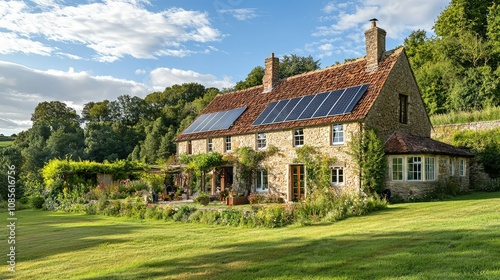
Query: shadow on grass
{"points": [[65, 233], [425, 255]]}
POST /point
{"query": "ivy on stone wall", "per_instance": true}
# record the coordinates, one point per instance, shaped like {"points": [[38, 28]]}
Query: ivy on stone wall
{"points": [[367, 151], [317, 167], [248, 160]]}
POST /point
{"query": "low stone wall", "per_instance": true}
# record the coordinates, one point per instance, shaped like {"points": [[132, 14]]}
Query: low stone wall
{"points": [[445, 132]]}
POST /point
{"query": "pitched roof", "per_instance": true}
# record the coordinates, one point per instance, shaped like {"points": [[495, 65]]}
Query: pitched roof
{"points": [[402, 143], [331, 78]]}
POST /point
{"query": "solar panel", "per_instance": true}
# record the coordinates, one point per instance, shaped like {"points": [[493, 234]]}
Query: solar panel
{"points": [[303, 102], [287, 109], [274, 113], [319, 105], [264, 113], [199, 121], [356, 98], [313, 106], [344, 101], [330, 101], [215, 121], [228, 118], [212, 122]]}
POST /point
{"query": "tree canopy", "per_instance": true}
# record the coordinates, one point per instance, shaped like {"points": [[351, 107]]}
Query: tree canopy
{"points": [[457, 70], [290, 65]]}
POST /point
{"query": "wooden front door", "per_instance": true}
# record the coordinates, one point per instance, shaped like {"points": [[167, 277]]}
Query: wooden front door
{"points": [[297, 181]]}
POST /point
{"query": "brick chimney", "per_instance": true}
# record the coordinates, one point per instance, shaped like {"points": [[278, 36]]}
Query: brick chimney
{"points": [[271, 73], [375, 45]]}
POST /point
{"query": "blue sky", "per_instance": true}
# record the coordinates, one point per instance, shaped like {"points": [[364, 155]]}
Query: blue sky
{"points": [[82, 51]]}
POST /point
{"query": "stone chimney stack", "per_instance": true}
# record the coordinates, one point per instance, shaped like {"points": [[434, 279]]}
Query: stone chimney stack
{"points": [[375, 45], [271, 73]]}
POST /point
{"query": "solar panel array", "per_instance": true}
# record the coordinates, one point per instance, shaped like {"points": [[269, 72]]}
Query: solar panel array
{"points": [[330, 103], [215, 121]]}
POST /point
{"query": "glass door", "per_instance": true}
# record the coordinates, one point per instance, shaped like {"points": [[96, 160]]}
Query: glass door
{"points": [[298, 182]]}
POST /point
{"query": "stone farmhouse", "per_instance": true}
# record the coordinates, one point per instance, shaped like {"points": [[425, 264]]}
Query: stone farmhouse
{"points": [[323, 108]]}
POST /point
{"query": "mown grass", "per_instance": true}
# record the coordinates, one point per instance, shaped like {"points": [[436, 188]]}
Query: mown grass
{"points": [[456, 239], [5, 143], [487, 114]]}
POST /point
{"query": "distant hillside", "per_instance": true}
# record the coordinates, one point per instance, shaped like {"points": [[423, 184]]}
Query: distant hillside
{"points": [[6, 141]]}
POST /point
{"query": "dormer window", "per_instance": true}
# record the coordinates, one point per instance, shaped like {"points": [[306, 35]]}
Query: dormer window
{"points": [[403, 109]]}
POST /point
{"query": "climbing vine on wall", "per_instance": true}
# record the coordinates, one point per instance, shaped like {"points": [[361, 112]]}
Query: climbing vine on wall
{"points": [[317, 167], [248, 161], [367, 151]]}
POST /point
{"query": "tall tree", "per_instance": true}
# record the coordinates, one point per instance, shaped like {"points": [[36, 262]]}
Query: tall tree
{"points": [[96, 111], [55, 114], [464, 15], [289, 66], [254, 78]]}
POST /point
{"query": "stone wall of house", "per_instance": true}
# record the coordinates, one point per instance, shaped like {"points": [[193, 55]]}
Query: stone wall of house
{"points": [[446, 132], [199, 146], [444, 179], [384, 114], [278, 166]]}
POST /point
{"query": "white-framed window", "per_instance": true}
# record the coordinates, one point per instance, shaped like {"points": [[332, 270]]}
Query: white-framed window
{"points": [[261, 182], [461, 167], [452, 167], [261, 141], [430, 169], [397, 169], [298, 137], [228, 143], [210, 144], [337, 134], [414, 169], [337, 176]]}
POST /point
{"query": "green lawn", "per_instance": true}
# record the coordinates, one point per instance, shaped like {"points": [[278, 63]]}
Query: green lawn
{"points": [[5, 143], [457, 239]]}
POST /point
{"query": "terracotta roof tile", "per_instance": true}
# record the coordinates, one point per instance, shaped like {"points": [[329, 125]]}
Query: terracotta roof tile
{"points": [[401, 143], [331, 78]]}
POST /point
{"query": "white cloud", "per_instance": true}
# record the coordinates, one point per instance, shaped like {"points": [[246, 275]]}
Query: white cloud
{"points": [[20, 91], [125, 28], [165, 77], [140, 72], [395, 16], [241, 14], [12, 43], [68, 55], [349, 20]]}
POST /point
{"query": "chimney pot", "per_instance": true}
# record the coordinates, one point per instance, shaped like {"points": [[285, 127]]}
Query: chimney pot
{"points": [[375, 45], [271, 72]]}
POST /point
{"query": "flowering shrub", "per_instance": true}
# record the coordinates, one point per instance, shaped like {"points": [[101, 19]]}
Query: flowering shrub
{"points": [[202, 198], [256, 198], [318, 207]]}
